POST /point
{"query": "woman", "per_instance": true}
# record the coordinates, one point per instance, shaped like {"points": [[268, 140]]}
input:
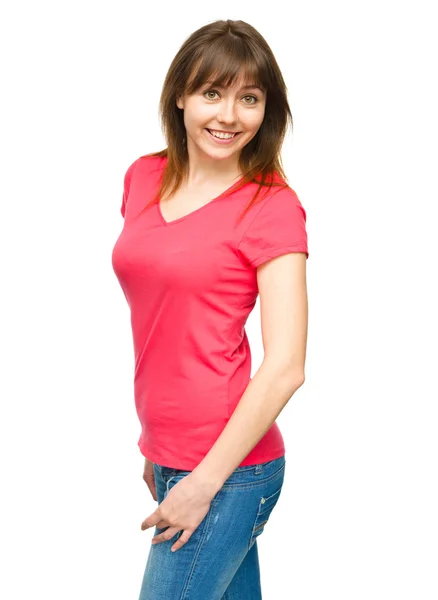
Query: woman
{"points": [[210, 223]]}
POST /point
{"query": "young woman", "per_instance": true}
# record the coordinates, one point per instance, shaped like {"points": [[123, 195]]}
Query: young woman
{"points": [[210, 224]]}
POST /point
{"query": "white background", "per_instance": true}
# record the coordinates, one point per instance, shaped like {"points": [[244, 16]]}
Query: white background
{"points": [[357, 518]]}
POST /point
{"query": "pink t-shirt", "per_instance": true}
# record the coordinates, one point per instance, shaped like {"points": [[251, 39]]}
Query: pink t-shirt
{"points": [[190, 284]]}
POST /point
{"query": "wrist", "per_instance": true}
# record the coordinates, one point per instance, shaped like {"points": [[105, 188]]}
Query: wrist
{"points": [[208, 481]]}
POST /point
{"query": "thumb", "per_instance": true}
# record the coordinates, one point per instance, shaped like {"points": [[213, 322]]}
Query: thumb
{"points": [[150, 482]]}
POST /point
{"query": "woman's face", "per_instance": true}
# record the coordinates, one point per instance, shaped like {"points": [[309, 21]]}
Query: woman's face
{"points": [[235, 109]]}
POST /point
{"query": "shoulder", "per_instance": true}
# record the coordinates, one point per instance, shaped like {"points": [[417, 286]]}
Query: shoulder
{"points": [[281, 202], [142, 170], [285, 195], [279, 226], [146, 162]]}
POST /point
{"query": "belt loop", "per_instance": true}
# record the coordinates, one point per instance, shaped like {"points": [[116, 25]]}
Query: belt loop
{"points": [[258, 469]]}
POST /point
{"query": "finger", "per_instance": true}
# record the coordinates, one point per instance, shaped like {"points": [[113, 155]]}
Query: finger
{"points": [[162, 524], [165, 535], [149, 480], [152, 489], [152, 519], [183, 539]]}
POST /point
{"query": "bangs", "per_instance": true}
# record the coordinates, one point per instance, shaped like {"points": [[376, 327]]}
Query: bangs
{"points": [[226, 60]]}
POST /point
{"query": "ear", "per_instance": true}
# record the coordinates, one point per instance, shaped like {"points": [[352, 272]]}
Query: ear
{"points": [[179, 102]]}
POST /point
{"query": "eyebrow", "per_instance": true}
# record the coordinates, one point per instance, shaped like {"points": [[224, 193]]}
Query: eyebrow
{"points": [[245, 87]]}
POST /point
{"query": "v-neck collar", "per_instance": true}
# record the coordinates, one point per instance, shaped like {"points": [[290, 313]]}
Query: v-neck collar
{"points": [[196, 210]]}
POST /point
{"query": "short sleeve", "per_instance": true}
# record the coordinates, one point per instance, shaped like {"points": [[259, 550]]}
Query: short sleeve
{"points": [[126, 187], [278, 228]]}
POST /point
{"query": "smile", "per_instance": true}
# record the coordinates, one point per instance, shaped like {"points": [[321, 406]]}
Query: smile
{"points": [[222, 138]]}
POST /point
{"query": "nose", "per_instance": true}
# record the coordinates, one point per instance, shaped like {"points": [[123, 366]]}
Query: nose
{"points": [[227, 112]]}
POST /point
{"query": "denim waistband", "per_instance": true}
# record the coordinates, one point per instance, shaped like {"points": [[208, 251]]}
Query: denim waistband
{"points": [[241, 474]]}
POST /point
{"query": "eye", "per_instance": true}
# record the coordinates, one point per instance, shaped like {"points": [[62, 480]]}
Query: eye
{"points": [[254, 97], [210, 92], [247, 96]]}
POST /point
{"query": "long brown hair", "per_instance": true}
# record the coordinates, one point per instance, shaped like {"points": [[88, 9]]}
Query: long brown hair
{"points": [[219, 52]]}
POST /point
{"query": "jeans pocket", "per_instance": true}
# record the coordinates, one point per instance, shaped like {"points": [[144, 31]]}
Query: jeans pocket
{"points": [[173, 480], [169, 484], [265, 509]]}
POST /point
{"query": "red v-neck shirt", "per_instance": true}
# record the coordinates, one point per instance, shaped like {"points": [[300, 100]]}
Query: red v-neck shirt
{"points": [[190, 285]]}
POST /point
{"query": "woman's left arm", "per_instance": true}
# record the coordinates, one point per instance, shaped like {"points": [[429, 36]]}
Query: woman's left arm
{"points": [[284, 317]]}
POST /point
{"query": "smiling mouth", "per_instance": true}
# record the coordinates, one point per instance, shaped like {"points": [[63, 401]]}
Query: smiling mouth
{"points": [[236, 133]]}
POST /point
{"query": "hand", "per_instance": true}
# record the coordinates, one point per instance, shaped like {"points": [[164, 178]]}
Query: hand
{"points": [[149, 477], [184, 507]]}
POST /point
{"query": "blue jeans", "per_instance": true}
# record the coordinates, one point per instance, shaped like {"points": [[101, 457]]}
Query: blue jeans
{"points": [[220, 560]]}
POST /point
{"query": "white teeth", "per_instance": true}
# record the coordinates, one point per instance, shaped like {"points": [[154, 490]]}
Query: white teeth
{"points": [[225, 136]]}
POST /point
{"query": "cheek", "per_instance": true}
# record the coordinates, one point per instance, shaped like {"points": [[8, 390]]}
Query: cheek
{"points": [[197, 116], [252, 120]]}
